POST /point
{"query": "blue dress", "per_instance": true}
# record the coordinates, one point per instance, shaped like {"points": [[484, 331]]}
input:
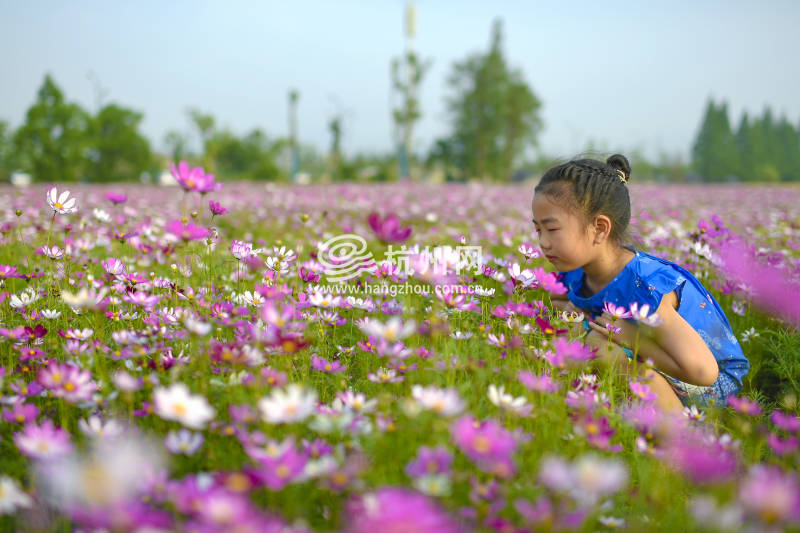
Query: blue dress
{"points": [[645, 279]]}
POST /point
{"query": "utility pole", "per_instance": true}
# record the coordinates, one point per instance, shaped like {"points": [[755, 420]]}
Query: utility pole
{"points": [[406, 76]]}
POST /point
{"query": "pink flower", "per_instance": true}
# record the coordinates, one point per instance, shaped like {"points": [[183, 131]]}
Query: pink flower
{"points": [[116, 198], [700, 456], [745, 406], [785, 421], [549, 281], [771, 495], [536, 383], [430, 461], [67, 381], [487, 443], [388, 229], [9, 271], [398, 509], [782, 446], [329, 367], [188, 232], [194, 179], [616, 311], [642, 391], [43, 442], [216, 208], [21, 413], [771, 288]]}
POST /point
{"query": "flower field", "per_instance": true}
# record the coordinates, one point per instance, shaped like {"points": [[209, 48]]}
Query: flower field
{"points": [[177, 359]]}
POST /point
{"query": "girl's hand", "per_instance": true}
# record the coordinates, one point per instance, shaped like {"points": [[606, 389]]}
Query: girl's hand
{"points": [[622, 332]]}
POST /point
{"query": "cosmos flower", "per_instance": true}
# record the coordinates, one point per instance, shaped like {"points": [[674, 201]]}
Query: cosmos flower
{"points": [[183, 441], [61, 204], [188, 231], [487, 443], [11, 496], [388, 229], [445, 402], [393, 330], [329, 367], [177, 403], [430, 461], [193, 179], [43, 442], [116, 198], [587, 480], [293, 404], [395, 509]]}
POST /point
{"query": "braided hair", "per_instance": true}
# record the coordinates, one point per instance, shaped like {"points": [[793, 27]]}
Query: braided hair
{"points": [[591, 187]]}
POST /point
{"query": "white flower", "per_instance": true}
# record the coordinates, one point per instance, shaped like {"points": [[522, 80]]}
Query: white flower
{"points": [[24, 299], [748, 334], [277, 264], [611, 522], [693, 414], [319, 299], [433, 485], [252, 298], [357, 401], [101, 215], [505, 401], [177, 403], [392, 331], [286, 406], [641, 313], [84, 298], [196, 326], [63, 204], [524, 277], [183, 441], [50, 314], [444, 402], [94, 427], [11, 496]]}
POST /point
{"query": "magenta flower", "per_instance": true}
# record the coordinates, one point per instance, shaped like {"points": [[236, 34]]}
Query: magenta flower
{"points": [[216, 208], [543, 383], [8, 272], [487, 443], [786, 422], [430, 461], [780, 446], [280, 463], [548, 328], [388, 229], [329, 367], [772, 288], [187, 232], [43, 442], [65, 380], [117, 198], [21, 413], [549, 281], [194, 179], [642, 391], [701, 457], [398, 509], [745, 406], [771, 495]]}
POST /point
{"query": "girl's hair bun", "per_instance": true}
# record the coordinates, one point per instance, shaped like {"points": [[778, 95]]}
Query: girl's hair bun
{"points": [[620, 163]]}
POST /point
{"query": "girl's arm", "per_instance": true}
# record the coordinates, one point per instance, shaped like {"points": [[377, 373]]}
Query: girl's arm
{"points": [[675, 347]]}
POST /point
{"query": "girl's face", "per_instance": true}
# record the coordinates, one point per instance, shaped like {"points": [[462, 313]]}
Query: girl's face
{"points": [[563, 238]]}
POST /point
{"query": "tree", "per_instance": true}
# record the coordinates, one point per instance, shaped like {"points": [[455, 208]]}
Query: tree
{"points": [[252, 157], [7, 155], [715, 153], [407, 74], [53, 141], [118, 152], [494, 113]]}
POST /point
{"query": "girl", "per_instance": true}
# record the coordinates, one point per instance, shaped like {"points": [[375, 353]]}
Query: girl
{"points": [[581, 210]]}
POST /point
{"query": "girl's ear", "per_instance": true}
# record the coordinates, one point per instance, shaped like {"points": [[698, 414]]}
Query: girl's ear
{"points": [[602, 229]]}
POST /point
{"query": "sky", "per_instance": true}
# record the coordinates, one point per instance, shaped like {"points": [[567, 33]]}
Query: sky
{"points": [[622, 75]]}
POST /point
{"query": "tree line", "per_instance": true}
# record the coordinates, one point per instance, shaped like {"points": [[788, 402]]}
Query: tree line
{"points": [[760, 148], [494, 125]]}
